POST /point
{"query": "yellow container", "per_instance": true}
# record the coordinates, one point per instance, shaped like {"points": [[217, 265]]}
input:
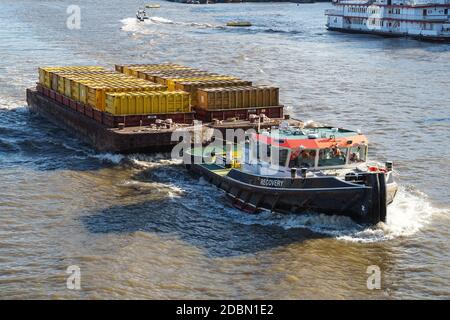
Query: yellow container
{"points": [[131, 104], [84, 88], [67, 87], [139, 103], [147, 103], [172, 82], [41, 76], [123, 103], [75, 90], [114, 103], [61, 87]]}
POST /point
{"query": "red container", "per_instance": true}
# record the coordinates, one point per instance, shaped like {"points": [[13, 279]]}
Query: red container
{"points": [[46, 91], [52, 94], [80, 108], [88, 111], [39, 88], [98, 115]]}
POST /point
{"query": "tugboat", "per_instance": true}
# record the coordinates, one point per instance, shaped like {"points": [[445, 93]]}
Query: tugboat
{"points": [[141, 15], [302, 169]]}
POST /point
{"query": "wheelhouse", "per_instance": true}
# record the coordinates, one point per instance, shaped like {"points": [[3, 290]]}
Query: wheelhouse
{"points": [[314, 149]]}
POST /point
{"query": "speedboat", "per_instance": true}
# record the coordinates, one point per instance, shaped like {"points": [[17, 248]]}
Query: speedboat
{"points": [[141, 15], [300, 169]]}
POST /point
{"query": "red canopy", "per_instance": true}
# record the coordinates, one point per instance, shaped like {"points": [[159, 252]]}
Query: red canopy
{"points": [[320, 143]]}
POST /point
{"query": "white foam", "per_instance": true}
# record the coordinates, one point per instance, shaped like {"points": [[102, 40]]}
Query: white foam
{"points": [[150, 161], [141, 27], [408, 214], [134, 26], [161, 20], [109, 157]]}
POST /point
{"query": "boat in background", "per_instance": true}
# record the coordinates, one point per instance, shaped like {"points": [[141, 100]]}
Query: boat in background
{"points": [[153, 5], [420, 19], [141, 15], [239, 24], [318, 169]]}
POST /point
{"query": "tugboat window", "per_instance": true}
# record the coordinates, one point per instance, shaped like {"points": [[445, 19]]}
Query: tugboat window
{"points": [[282, 154], [305, 159], [357, 154], [332, 157]]}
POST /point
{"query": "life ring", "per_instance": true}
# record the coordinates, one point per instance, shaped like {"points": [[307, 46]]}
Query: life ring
{"points": [[376, 169]]}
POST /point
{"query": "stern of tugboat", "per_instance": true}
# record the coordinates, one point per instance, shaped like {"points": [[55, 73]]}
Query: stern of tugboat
{"points": [[377, 204]]}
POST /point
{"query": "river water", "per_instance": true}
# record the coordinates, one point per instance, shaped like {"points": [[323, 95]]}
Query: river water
{"points": [[139, 226]]}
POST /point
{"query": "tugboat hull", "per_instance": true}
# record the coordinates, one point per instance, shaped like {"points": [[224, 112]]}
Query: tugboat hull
{"points": [[364, 201]]}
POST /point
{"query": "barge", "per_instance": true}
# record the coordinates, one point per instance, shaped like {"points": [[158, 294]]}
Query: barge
{"points": [[108, 134], [130, 139], [298, 169], [138, 107]]}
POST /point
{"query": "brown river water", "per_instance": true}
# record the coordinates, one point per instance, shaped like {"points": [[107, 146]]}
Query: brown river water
{"points": [[139, 226]]}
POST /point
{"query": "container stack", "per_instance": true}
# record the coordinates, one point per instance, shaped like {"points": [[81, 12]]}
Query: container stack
{"points": [[87, 90], [137, 94], [193, 86], [213, 96]]}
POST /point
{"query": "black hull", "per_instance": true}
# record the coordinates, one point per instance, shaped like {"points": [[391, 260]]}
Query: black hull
{"points": [[364, 203]]}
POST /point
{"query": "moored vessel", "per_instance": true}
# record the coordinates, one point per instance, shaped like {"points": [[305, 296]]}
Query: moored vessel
{"points": [[301, 169], [420, 19]]}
